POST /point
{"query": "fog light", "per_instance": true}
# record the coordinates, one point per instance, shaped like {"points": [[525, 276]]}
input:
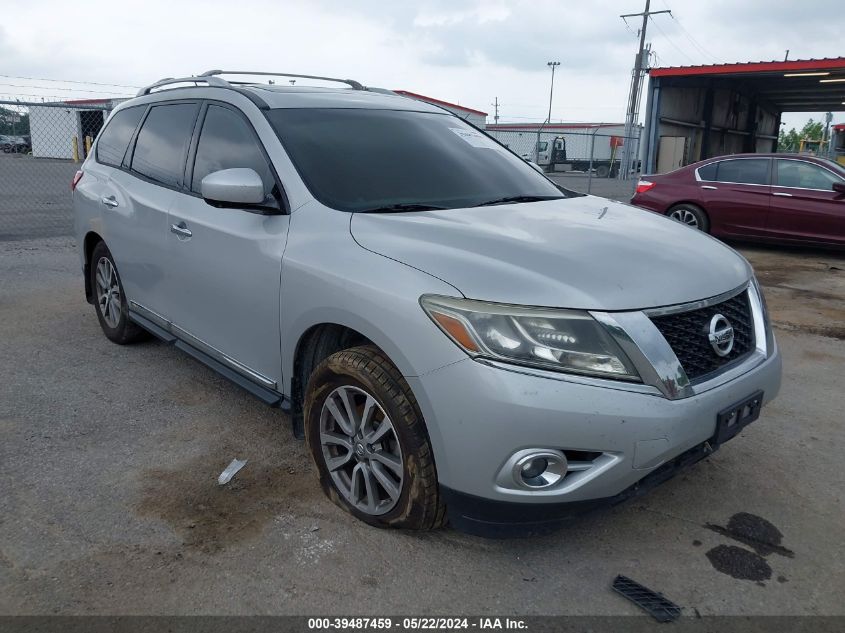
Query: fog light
{"points": [[539, 468], [534, 468]]}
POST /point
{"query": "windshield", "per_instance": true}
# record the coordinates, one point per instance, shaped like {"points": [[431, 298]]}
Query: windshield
{"points": [[366, 159]]}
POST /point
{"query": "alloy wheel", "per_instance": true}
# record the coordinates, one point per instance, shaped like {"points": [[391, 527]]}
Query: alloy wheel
{"points": [[108, 292], [361, 450], [685, 216]]}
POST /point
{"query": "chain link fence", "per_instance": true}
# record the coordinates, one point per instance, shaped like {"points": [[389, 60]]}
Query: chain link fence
{"points": [[41, 147], [583, 160], [43, 144]]}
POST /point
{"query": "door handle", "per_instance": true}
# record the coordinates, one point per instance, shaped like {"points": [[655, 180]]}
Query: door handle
{"points": [[109, 201], [782, 194], [708, 187], [181, 230]]}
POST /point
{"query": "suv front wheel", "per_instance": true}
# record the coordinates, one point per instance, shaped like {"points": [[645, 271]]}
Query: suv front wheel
{"points": [[369, 441]]}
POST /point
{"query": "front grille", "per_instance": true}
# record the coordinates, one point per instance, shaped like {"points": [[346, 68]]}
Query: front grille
{"points": [[687, 334]]}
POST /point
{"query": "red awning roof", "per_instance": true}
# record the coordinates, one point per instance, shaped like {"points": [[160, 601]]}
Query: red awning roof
{"points": [[414, 95], [797, 65]]}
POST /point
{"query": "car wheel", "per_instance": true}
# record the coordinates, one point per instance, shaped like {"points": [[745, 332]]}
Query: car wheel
{"points": [[369, 441], [691, 215], [602, 171], [110, 300]]}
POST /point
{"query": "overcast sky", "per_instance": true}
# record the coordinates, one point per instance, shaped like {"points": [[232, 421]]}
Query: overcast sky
{"points": [[457, 50]]}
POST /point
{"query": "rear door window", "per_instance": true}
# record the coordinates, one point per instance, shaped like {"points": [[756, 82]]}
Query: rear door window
{"points": [[115, 138], [226, 142], [749, 171], [163, 142]]}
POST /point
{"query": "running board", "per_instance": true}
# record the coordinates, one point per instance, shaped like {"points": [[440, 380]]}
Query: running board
{"points": [[267, 396]]}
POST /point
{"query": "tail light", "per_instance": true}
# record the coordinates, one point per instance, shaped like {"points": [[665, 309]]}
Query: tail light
{"points": [[644, 185], [76, 178]]}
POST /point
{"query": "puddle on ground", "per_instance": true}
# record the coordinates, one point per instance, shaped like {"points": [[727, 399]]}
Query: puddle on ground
{"points": [[755, 532], [739, 563], [209, 517]]}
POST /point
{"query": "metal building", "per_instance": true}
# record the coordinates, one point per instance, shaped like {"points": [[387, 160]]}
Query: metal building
{"points": [[56, 128], [696, 112]]}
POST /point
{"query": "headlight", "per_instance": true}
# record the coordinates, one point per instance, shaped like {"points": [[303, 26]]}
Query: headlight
{"points": [[757, 297], [562, 340]]}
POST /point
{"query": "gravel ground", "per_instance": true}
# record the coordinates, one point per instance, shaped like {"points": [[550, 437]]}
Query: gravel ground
{"points": [[109, 457], [35, 197]]}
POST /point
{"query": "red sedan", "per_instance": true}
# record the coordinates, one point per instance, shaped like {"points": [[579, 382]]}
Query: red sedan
{"points": [[786, 198]]}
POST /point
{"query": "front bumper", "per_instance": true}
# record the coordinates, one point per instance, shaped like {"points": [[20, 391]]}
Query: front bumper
{"points": [[478, 415]]}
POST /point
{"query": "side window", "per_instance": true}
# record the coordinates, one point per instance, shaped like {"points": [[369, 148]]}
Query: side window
{"points": [[543, 146], [227, 141], [708, 172], [751, 171], [798, 173], [115, 138], [162, 143]]}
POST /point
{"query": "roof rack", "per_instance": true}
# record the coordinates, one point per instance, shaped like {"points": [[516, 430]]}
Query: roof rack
{"points": [[212, 79], [355, 85]]}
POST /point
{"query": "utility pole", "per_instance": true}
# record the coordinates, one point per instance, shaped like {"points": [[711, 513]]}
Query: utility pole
{"points": [[551, 89], [634, 96], [495, 104]]}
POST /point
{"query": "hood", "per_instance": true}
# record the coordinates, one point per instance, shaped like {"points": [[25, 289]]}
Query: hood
{"points": [[585, 252]]}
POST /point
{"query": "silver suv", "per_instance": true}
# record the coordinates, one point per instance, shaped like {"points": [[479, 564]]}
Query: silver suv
{"points": [[456, 336]]}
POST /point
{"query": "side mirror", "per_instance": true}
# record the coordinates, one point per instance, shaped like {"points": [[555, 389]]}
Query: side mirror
{"points": [[233, 187], [839, 187]]}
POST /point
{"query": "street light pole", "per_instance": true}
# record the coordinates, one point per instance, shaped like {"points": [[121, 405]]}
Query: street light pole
{"points": [[551, 89]]}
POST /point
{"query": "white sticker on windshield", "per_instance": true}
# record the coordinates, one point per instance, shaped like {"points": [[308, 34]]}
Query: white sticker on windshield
{"points": [[476, 138]]}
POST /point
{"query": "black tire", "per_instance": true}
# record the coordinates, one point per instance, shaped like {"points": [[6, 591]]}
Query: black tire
{"points": [[687, 210], [419, 506], [124, 331], [602, 171]]}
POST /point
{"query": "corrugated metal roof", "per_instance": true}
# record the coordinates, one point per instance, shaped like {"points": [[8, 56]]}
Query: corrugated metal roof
{"points": [[792, 65]]}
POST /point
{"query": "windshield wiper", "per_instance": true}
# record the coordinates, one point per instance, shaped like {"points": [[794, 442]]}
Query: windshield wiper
{"points": [[406, 206], [512, 199]]}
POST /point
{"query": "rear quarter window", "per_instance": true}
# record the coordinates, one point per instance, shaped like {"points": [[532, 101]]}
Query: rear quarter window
{"points": [[707, 172], [114, 140]]}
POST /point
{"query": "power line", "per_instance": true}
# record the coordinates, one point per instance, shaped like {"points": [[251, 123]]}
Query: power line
{"points": [[675, 46], [689, 35], [24, 94], [70, 81], [65, 89], [694, 42]]}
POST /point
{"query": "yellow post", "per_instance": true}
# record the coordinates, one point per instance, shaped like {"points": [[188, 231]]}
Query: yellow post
{"points": [[87, 145], [75, 145]]}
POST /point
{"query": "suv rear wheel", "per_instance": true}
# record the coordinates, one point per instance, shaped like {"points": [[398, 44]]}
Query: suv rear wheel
{"points": [[368, 439], [110, 300], [691, 215]]}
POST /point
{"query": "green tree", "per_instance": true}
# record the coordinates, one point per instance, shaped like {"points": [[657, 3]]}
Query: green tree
{"points": [[791, 141], [13, 123]]}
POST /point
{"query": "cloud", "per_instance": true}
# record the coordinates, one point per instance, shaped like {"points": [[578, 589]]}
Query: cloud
{"points": [[465, 51]]}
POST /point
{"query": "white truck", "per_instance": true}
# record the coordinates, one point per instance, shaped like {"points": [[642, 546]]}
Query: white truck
{"points": [[568, 151]]}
